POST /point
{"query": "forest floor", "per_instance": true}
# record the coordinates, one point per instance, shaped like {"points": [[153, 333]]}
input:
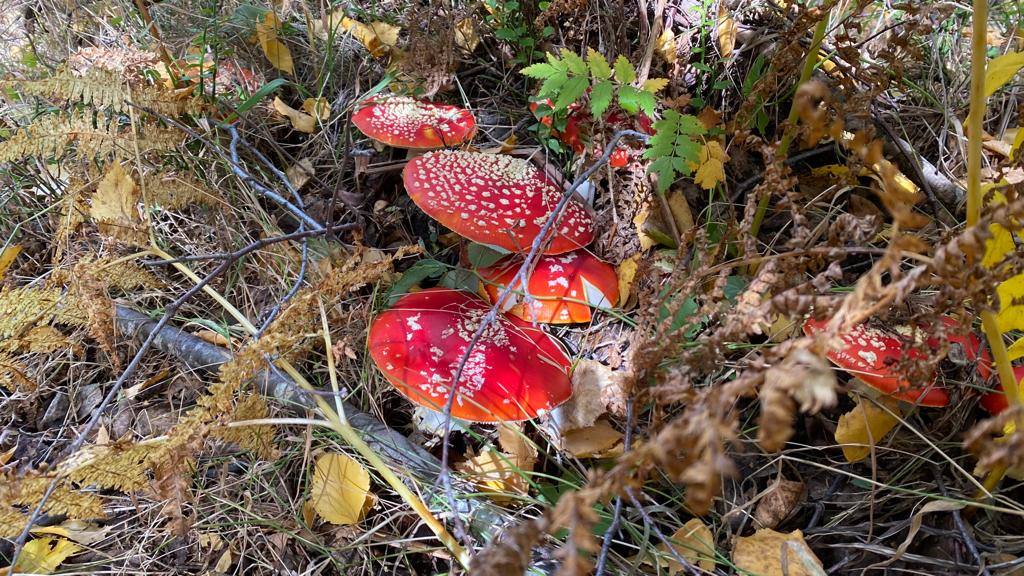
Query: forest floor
{"points": [[812, 289]]}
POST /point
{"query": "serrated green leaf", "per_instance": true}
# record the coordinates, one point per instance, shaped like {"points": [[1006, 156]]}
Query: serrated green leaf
{"points": [[655, 85], [647, 102], [576, 64], [558, 64], [599, 67], [553, 85], [629, 99], [601, 96], [571, 91], [662, 168], [624, 71], [690, 124], [538, 71]]}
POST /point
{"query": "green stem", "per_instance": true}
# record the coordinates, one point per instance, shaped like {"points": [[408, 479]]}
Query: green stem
{"points": [[810, 63], [979, 25]]}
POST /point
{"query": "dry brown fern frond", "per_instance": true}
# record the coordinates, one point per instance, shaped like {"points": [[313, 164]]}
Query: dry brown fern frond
{"points": [[174, 191], [28, 490], [54, 135], [12, 374], [258, 439], [22, 309], [12, 521], [120, 466]]}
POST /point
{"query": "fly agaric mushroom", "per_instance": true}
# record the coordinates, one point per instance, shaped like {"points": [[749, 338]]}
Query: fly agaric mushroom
{"points": [[995, 402], [494, 199], [870, 355], [514, 372], [404, 122], [562, 288]]}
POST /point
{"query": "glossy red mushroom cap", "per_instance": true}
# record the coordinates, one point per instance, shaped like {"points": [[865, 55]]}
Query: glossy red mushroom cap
{"points": [[514, 372], [563, 288], [996, 402], [494, 199], [872, 356], [405, 122]]}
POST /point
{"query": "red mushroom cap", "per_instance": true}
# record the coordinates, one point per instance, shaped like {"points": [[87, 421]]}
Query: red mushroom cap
{"points": [[870, 355], [494, 199], [405, 122], [995, 402], [515, 371], [563, 287]]}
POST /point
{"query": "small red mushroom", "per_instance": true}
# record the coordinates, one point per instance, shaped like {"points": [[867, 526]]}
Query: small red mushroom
{"points": [[514, 372], [563, 288], [494, 199], [995, 402], [404, 122]]}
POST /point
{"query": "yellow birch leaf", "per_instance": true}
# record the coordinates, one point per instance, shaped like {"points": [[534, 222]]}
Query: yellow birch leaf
{"points": [[1018, 139], [726, 30], [680, 210], [997, 246], [498, 473], [78, 531], [711, 169], [7, 257], [695, 543], [1011, 304], [762, 554], [466, 36], [378, 37], [1001, 70], [317, 107], [627, 273], [113, 206], [863, 427], [300, 121], [44, 555], [340, 489], [665, 46], [273, 48], [1016, 350]]}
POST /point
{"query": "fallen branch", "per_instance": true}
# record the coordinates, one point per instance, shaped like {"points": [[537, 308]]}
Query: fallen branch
{"points": [[484, 519]]}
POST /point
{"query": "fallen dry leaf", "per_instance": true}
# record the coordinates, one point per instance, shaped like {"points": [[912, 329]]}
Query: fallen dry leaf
{"points": [[863, 427], [340, 489], [711, 169], [273, 48], [300, 120], [778, 503], [680, 209], [695, 543], [466, 36], [627, 274], [113, 206], [771, 553], [76, 530], [498, 473], [515, 443], [7, 257], [44, 555], [587, 403], [379, 38], [665, 46], [300, 173], [597, 441], [319, 108], [725, 30]]}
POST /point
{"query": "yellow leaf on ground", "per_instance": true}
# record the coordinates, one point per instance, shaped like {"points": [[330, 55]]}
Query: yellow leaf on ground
{"points": [[466, 36], [317, 107], [1011, 304], [1018, 139], [680, 209], [627, 273], [665, 46], [711, 169], [273, 48], [726, 30], [516, 444], [498, 473], [77, 530], [695, 543], [113, 206], [998, 245], [300, 172], [378, 38], [44, 555], [300, 120], [340, 489], [7, 257], [1001, 70], [762, 554], [597, 441], [863, 427]]}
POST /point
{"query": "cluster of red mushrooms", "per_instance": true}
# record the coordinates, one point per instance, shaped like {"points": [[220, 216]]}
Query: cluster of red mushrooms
{"points": [[516, 371]]}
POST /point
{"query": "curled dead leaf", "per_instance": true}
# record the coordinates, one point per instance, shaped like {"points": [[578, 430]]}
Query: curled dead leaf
{"points": [[300, 120], [771, 553], [597, 441], [863, 427], [776, 505]]}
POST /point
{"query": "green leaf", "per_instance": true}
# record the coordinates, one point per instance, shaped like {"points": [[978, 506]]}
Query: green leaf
{"points": [[461, 279], [599, 67], [1001, 70], [629, 99], [553, 85], [662, 167], [647, 102], [601, 97], [558, 64], [576, 64], [481, 256], [624, 71], [539, 71], [416, 273], [572, 91]]}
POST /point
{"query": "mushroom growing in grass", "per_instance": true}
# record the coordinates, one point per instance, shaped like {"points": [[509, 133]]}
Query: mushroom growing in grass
{"points": [[404, 122], [496, 200], [995, 402], [515, 371], [561, 289], [871, 355]]}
